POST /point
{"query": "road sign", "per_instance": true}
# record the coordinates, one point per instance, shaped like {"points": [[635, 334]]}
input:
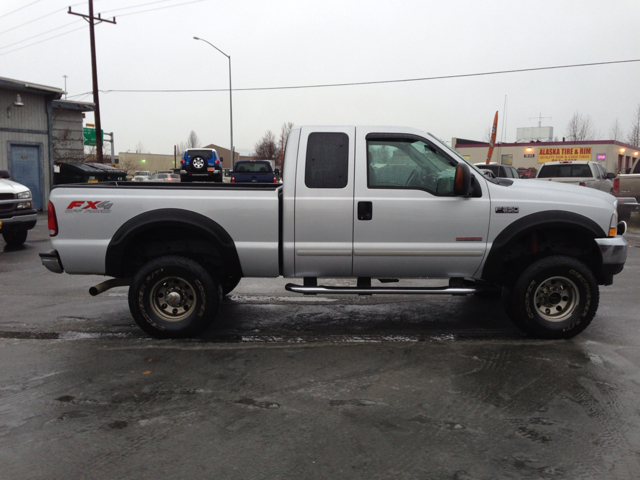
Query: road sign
{"points": [[89, 135]]}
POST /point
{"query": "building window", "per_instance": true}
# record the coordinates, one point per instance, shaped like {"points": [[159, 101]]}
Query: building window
{"points": [[507, 159]]}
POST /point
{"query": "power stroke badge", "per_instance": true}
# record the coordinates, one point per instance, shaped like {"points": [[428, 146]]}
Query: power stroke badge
{"points": [[79, 206], [507, 209]]}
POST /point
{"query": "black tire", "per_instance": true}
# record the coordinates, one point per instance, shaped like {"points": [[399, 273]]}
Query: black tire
{"points": [[228, 284], [199, 164], [195, 297], [555, 297], [15, 238]]}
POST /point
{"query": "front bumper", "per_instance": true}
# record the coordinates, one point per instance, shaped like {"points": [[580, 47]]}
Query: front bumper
{"points": [[614, 254], [51, 260], [22, 221]]}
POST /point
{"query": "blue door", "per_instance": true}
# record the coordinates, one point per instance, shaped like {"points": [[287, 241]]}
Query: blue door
{"points": [[25, 169]]}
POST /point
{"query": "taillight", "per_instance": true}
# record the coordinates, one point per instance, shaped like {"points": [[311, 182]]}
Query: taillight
{"points": [[217, 162], [52, 220], [582, 184], [181, 162], [616, 186], [233, 179], [275, 180]]}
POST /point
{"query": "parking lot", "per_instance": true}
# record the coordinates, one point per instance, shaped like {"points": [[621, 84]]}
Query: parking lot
{"points": [[284, 386]]}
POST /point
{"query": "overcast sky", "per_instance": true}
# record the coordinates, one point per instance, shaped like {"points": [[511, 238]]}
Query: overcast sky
{"points": [[282, 43]]}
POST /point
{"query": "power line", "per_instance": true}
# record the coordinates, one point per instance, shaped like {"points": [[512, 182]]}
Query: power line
{"points": [[38, 35], [18, 9], [137, 6], [161, 8], [44, 40], [377, 82]]}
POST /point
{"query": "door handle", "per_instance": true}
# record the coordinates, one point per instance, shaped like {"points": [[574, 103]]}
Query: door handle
{"points": [[365, 210]]}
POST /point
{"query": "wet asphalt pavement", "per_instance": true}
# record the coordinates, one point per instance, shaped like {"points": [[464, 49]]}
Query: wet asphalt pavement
{"points": [[284, 386]]}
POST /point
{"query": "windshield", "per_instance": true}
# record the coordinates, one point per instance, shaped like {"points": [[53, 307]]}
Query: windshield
{"points": [[451, 150]]}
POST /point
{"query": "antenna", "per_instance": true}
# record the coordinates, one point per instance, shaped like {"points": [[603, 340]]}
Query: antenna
{"points": [[540, 117]]}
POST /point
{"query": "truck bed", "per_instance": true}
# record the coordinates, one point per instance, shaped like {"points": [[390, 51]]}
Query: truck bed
{"points": [[249, 212]]}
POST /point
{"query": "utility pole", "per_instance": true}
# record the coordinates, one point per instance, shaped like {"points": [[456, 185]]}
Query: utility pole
{"points": [[94, 71]]}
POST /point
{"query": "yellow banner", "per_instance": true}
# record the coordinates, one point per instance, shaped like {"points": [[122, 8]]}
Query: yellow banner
{"points": [[562, 154]]}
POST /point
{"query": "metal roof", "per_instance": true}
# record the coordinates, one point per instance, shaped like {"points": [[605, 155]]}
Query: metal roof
{"points": [[22, 86]]}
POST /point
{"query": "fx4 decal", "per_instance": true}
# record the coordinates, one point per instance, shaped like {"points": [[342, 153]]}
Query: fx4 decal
{"points": [[98, 206]]}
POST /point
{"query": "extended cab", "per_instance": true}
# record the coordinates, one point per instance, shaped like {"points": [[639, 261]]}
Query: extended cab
{"points": [[364, 203], [17, 215]]}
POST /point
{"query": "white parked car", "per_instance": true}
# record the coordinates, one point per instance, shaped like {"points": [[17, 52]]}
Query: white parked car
{"points": [[17, 214], [579, 172], [141, 176]]}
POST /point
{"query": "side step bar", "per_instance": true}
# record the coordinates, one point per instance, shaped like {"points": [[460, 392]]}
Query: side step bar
{"points": [[325, 290]]}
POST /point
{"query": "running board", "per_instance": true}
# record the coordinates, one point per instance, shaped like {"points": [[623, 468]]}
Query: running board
{"points": [[324, 290]]}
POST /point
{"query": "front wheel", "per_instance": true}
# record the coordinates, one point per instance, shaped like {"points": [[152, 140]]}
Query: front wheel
{"points": [[174, 297], [555, 297], [15, 238]]}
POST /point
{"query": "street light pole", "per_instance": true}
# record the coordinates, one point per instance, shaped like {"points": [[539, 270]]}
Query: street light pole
{"points": [[230, 96]]}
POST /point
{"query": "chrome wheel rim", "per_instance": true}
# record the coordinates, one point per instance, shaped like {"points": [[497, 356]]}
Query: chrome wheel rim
{"points": [[172, 299], [556, 299], [198, 163]]}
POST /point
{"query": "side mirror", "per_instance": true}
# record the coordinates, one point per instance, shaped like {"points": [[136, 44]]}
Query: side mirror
{"points": [[611, 176], [221, 159], [227, 172], [462, 180], [4, 174]]}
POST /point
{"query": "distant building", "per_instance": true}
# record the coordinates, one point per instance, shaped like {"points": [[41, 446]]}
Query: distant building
{"points": [[616, 157]]}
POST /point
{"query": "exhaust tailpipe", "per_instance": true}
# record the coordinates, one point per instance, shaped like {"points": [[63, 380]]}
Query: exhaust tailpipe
{"points": [[109, 284]]}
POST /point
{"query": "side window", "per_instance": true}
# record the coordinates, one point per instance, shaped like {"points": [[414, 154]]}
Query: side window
{"points": [[327, 162], [408, 163]]}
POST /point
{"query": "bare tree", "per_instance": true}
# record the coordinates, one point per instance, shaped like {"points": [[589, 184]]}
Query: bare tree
{"points": [[266, 148], [140, 147], [285, 130], [580, 128], [192, 141], [129, 166], [634, 135], [615, 132]]}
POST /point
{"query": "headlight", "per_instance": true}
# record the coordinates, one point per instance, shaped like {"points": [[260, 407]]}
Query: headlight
{"points": [[24, 205], [26, 194]]}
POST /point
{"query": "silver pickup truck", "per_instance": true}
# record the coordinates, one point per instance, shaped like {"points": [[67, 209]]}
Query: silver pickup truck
{"points": [[374, 204]]}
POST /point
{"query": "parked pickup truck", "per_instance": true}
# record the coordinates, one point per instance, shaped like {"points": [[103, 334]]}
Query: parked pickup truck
{"points": [[358, 202], [627, 188], [253, 171], [579, 172], [17, 215]]}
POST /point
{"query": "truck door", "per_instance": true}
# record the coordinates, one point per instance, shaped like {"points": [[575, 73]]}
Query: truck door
{"points": [[408, 223], [324, 202]]}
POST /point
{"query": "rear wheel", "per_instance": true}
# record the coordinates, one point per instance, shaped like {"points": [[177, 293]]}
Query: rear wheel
{"points": [[174, 297], [15, 238], [555, 297]]}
